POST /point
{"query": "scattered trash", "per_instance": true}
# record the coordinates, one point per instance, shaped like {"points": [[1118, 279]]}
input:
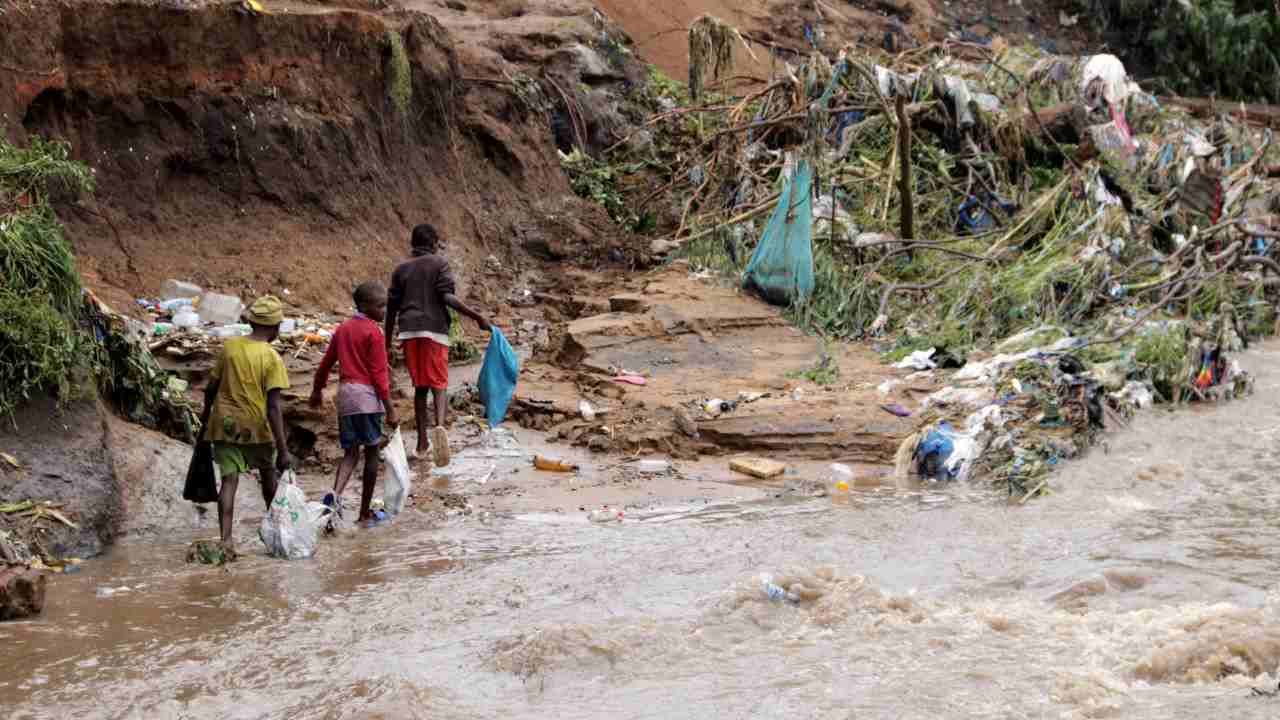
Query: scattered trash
{"points": [[841, 478], [631, 379], [652, 466], [918, 360], [177, 289], [896, 409], [606, 514], [10, 460], [585, 410], [716, 407], [547, 464], [220, 309], [758, 467]]}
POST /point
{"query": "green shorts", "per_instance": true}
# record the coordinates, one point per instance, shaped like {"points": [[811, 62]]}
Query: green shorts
{"points": [[233, 459]]}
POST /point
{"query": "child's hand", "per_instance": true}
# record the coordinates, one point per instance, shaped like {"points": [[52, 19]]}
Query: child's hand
{"points": [[393, 417], [284, 460], [484, 324], [317, 400]]}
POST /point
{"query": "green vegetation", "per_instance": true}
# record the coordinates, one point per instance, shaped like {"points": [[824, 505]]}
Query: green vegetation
{"points": [[1202, 47], [599, 181], [461, 350], [40, 297], [399, 74]]}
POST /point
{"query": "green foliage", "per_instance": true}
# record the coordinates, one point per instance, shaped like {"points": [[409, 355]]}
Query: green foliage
{"points": [[599, 180], [399, 78], [662, 86], [34, 256], [39, 350], [40, 297], [1222, 47], [461, 350], [1161, 354], [824, 372]]}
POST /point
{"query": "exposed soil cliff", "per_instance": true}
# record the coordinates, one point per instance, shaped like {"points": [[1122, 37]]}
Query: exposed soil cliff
{"points": [[294, 150]]}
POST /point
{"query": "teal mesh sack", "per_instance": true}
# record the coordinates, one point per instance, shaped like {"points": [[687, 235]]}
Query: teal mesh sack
{"points": [[781, 268]]}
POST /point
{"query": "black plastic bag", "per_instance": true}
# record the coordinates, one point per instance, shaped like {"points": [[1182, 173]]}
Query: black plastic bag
{"points": [[202, 482]]}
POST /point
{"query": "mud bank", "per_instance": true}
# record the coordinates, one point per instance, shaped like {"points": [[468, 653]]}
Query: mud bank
{"points": [[290, 151]]}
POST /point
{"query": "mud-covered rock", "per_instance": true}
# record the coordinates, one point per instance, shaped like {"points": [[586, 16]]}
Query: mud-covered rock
{"points": [[22, 592]]}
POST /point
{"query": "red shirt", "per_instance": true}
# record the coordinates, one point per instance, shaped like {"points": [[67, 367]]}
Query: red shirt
{"points": [[360, 350]]}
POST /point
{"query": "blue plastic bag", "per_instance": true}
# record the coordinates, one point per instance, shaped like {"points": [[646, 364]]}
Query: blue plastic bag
{"points": [[933, 452], [498, 377]]}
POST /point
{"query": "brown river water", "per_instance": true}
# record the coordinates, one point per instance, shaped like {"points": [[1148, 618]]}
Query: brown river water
{"points": [[1146, 586]]}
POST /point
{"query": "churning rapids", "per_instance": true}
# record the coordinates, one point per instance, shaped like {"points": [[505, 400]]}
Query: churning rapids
{"points": [[1145, 586]]}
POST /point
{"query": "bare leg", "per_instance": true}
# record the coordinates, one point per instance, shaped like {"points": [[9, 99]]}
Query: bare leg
{"points": [[441, 406], [227, 506], [420, 414], [267, 478], [346, 469], [370, 479]]}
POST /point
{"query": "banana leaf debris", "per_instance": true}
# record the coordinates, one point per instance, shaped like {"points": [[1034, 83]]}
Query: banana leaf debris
{"points": [[1066, 246]]}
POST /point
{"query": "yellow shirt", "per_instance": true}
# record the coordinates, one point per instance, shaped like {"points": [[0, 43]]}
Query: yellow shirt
{"points": [[246, 371]]}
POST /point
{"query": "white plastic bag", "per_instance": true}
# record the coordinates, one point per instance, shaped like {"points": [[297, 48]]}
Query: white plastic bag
{"points": [[395, 489], [290, 527]]}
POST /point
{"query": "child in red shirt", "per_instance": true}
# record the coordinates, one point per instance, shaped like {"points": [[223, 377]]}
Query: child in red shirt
{"points": [[364, 392]]}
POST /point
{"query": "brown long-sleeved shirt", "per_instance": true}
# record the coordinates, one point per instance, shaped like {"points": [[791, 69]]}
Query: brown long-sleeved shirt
{"points": [[416, 297]]}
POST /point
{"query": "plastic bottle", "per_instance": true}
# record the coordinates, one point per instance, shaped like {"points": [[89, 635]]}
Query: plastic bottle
{"points": [[288, 326], [776, 593], [187, 318], [840, 479], [226, 331], [174, 289], [176, 304], [220, 309], [653, 466]]}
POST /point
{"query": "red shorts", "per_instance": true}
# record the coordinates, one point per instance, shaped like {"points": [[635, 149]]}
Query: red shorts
{"points": [[428, 363]]}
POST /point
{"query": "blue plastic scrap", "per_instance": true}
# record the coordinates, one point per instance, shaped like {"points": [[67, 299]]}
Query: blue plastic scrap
{"points": [[933, 451], [498, 375], [976, 218]]}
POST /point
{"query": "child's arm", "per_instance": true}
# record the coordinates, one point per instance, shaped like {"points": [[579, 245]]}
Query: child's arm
{"points": [[452, 301], [211, 392], [275, 418], [322, 373]]}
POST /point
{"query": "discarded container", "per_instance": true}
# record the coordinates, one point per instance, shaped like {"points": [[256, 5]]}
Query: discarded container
{"points": [[289, 326], [226, 331], [220, 309], [587, 412], [173, 289], [547, 464], [186, 319], [606, 514], [776, 593], [161, 328], [653, 466], [840, 479], [176, 304]]}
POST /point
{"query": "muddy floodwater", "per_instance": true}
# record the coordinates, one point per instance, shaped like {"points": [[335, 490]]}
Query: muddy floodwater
{"points": [[1145, 586]]}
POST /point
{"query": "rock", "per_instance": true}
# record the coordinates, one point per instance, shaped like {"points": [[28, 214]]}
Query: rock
{"points": [[686, 423], [21, 592], [598, 443], [628, 303]]}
